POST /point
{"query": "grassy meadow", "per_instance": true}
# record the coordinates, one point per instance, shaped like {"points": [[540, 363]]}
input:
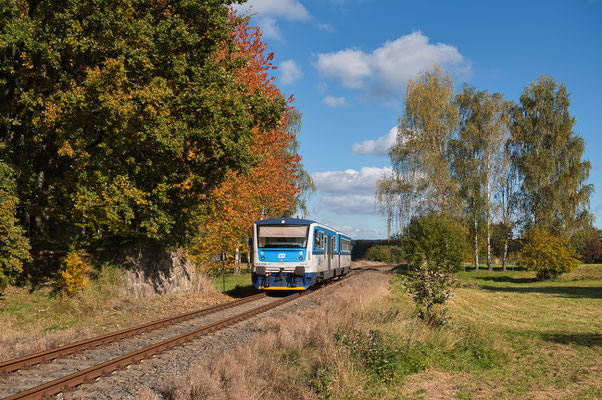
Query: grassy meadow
{"points": [[508, 337]]}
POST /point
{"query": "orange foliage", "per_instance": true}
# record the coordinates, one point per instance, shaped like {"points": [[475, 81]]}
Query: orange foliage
{"points": [[269, 187]]}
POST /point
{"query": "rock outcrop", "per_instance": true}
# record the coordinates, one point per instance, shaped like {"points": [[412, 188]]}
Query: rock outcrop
{"points": [[150, 270]]}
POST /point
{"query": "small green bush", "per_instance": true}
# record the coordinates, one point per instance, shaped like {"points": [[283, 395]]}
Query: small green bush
{"points": [[436, 243], [435, 248], [385, 254], [430, 290], [547, 254]]}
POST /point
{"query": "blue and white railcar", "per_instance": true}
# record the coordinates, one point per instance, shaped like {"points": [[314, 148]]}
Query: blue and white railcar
{"points": [[294, 254]]}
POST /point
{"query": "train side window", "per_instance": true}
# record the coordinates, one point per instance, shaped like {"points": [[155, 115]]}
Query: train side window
{"points": [[321, 240], [316, 239]]}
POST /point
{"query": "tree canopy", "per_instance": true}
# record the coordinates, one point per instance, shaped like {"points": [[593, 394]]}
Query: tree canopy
{"points": [[138, 119]]}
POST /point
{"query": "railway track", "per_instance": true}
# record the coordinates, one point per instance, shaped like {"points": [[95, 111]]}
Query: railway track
{"points": [[87, 375]]}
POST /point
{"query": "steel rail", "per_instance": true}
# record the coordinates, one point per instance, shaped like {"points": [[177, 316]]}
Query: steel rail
{"points": [[49, 355], [88, 375]]}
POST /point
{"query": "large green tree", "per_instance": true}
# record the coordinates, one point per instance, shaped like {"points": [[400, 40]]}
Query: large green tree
{"points": [[119, 116], [422, 180], [548, 156]]}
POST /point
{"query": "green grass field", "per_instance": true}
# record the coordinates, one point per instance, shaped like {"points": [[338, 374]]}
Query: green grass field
{"points": [[552, 331], [235, 285]]}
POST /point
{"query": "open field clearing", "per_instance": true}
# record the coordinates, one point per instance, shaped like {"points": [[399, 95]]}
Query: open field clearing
{"points": [[508, 337]]}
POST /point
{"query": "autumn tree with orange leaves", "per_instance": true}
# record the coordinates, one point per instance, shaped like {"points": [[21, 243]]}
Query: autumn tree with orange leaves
{"points": [[271, 186]]}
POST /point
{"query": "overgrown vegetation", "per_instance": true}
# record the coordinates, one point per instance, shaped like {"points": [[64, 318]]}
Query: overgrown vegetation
{"points": [[14, 245]]}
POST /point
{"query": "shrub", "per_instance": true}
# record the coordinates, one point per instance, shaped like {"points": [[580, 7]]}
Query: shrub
{"points": [[14, 246], [548, 254], [385, 254], [430, 290], [436, 247], [73, 276], [436, 243]]}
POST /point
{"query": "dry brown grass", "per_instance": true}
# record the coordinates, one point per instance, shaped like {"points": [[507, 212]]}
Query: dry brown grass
{"points": [[258, 370], [35, 321]]}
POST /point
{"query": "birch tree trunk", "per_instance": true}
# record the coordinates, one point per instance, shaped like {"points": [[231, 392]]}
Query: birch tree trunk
{"points": [[505, 253], [476, 244]]}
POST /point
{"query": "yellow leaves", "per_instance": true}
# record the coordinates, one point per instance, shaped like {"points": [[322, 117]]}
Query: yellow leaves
{"points": [[65, 149], [73, 276]]}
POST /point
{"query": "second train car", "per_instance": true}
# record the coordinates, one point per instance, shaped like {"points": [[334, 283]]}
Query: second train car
{"points": [[294, 254]]}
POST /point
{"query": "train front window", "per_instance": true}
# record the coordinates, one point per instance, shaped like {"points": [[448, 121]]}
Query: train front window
{"points": [[283, 236]]}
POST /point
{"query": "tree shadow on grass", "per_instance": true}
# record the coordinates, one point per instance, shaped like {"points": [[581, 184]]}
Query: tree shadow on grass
{"points": [[242, 291], [594, 292], [508, 279], [582, 339]]}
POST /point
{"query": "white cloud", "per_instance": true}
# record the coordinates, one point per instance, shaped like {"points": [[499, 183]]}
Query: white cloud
{"points": [[269, 10], [350, 181], [379, 146], [334, 101], [269, 27], [287, 9], [349, 66], [386, 70], [289, 72], [349, 194]]}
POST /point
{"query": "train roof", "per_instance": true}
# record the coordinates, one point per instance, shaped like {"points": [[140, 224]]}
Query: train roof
{"points": [[287, 221]]}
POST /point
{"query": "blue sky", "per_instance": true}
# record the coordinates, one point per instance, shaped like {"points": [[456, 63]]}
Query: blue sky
{"points": [[347, 63]]}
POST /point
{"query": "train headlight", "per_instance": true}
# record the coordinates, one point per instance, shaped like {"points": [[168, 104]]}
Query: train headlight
{"points": [[300, 258], [261, 252], [262, 258]]}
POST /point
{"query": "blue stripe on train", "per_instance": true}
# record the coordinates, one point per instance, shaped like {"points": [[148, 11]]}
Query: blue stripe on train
{"points": [[284, 281], [281, 255]]}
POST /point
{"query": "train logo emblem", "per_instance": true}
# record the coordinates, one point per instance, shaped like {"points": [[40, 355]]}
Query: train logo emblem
{"points": [[281, 255]]}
